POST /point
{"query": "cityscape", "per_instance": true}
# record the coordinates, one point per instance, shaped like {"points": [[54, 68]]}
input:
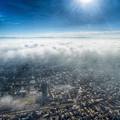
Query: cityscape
{"points": [[59, 59], [58, 89]]}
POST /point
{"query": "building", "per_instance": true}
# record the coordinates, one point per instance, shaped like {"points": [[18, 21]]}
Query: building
{"points": [[44, 90]]}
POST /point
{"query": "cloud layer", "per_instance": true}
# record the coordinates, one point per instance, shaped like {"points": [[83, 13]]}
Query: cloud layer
{"points": [[84, 56]]}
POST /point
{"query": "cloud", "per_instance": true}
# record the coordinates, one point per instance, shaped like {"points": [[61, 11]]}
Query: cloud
{"points": [[84, 57], [61, 48], [12, 103]]}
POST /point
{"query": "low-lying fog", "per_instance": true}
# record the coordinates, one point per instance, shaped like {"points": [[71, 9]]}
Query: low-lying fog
{"points": [[97, 56]]}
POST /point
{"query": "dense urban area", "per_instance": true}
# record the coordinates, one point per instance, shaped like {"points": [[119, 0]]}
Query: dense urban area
{"points": [[52, 92]]}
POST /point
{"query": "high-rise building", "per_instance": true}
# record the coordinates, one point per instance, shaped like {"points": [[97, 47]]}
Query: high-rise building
{"points": [[44, 89]]}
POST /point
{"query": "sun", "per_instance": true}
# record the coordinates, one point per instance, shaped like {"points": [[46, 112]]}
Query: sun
{"points": [[85, 2]]}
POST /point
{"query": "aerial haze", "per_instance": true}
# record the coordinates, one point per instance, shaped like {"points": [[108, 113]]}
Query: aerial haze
{"points": [[59, 60]]}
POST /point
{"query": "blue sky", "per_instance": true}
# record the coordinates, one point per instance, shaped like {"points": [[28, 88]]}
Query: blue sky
{"points": [[31, 16]]}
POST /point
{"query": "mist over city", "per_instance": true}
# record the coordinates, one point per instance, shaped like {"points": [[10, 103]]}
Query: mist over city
{"points": [[73, 72], [59, 60]]}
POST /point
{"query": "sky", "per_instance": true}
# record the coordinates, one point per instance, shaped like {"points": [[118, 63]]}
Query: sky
{"points": [[37, 16]]}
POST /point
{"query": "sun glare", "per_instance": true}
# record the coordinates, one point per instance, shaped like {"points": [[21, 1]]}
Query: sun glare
{"points": [[85, 2]]}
